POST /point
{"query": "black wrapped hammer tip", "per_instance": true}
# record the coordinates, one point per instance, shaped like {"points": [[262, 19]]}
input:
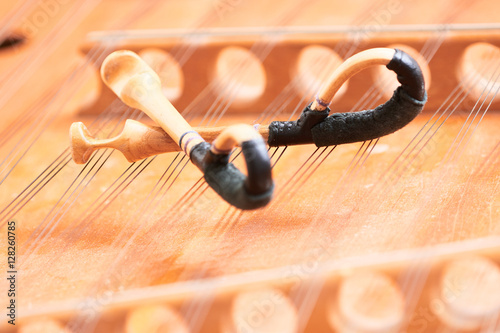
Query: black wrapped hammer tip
{"points": [[409, 75], [317, 127], [244, 192]]}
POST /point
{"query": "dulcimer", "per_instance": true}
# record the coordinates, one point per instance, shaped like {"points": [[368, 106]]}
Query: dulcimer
{"points": [[397, 233]]}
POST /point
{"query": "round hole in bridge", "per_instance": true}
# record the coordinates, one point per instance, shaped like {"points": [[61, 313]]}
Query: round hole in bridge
{"points": [[314, 66], [42, 325], [386, 80], [465, 298], [155, 318], [239, 76], [168, 69], [367, 301], [261, 311], [478, 71]]}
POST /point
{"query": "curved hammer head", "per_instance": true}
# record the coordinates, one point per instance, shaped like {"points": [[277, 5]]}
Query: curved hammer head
{"points": [[129, 77]]}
